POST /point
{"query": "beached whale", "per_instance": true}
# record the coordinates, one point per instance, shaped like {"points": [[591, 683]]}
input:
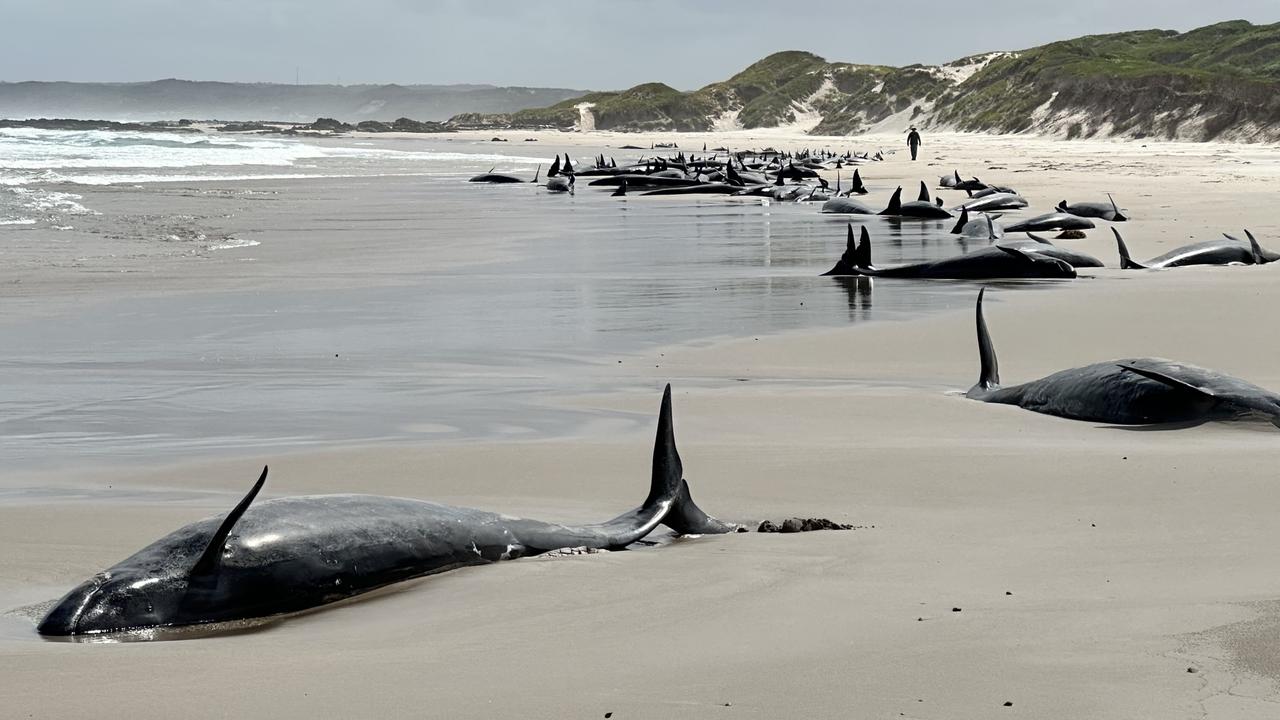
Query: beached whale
{"points": [[294, 553], [995, 201], [921, 208], [561, 183], [1051, 221], [984, 227], [1227, 251], [846, 206], [1105, 211], [988, 263], [1130, 391], [498, 178], [699, 189], [1041, 246]]}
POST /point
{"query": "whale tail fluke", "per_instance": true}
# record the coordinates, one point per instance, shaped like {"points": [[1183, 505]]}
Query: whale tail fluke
{"points": [[668, 486], [856, 257], [1126, 262], [989, 375]]}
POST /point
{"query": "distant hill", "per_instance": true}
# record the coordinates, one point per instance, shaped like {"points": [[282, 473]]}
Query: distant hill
{"points": [[1216, 82], [177, 99]]}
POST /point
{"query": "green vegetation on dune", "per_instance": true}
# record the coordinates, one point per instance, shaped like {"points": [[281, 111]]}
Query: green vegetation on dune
{"points": [[1216, 81], [653, 106]]}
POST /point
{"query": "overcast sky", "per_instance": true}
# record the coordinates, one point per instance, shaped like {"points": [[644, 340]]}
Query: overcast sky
{"points": [[586, 44]]}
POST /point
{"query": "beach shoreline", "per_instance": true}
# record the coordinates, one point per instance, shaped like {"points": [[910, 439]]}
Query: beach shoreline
{"points": [[1003, 556]]}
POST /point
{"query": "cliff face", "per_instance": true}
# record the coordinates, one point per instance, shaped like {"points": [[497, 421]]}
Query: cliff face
{"points": [[1216, 82]]}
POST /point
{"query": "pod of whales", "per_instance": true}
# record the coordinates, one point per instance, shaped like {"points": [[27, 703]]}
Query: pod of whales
{"points": [[1227, 251], [988, 263], [294, 553], [1130, 391]]}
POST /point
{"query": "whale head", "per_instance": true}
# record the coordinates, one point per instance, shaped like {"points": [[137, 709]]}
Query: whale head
{"points": [[113, 601]]}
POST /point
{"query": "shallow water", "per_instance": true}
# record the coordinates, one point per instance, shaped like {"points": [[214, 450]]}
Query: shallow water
{"points": [[470, 351]]}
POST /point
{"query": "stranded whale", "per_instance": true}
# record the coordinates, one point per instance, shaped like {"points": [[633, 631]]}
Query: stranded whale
{"points": [[1226, 251], [293, 553], [1130, 391], [988, 263]]}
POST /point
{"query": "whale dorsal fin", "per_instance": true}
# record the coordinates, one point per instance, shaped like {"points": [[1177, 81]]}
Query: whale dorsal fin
{"points": [[1259, 257], [1169, 380], [895, 203], [989, 374], [1126, 262], [964, 220], [212, 555], [535, 173], [1119, 216], [957, 172], [924, 193]]}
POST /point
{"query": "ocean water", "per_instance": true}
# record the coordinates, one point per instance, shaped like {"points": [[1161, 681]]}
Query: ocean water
{"points": [[579, 290]]}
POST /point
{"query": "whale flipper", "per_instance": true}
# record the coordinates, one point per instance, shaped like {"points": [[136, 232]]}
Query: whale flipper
{"points": [[1126, 262], [1169, 380], [1016, 253], [535, 174], [212, 555]]}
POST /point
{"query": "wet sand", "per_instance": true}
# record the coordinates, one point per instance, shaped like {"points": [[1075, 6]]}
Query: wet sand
{"points": [[1071, 569]]}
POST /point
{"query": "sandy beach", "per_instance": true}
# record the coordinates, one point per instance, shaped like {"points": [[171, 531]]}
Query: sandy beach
{"points": [[1005, 563]]}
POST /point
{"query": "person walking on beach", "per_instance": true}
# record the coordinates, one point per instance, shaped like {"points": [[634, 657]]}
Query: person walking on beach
{"points": [[913, 141]]}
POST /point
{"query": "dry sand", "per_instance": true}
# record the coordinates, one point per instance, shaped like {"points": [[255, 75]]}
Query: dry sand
{"points": [[1074, 570]]}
